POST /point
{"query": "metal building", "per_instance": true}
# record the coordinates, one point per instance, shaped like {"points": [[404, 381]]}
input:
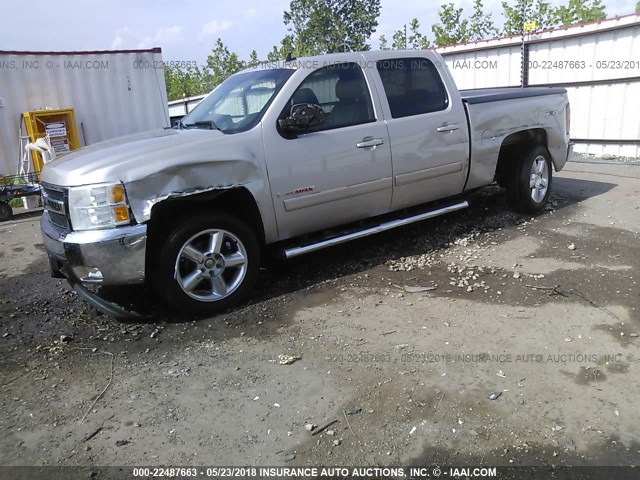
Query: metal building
{"points": [[113, 93], [598, 63], [179, 108]]}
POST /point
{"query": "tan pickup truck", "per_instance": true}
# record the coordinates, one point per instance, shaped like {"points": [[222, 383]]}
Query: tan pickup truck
{"points": [[283, 156]]}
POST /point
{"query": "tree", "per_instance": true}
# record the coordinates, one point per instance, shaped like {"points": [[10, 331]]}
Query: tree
{"points": [[579, 11], [399, 40], [414, 39], [327, 26], [190, 81], [480, 23], [222, 63], [638, 7], [546, 16], [185, 82], [383, 43], [417, 40], [254, 61], [281, 52], [273, 55], [453, 28], [540, 12]]}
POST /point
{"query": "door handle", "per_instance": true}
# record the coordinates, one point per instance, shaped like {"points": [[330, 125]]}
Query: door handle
{"points": [[447, 127], [369, 142]]}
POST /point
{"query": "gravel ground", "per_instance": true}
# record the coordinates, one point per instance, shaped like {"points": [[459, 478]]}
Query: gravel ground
{"points": [[481, 337], [603, 159]]}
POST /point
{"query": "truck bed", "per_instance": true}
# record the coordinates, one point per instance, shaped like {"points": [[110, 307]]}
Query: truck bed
{"points": [[484, 95], [496, 113]]}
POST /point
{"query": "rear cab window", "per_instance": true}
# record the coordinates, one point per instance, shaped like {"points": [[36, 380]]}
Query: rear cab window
{"points": [[413, 86]]}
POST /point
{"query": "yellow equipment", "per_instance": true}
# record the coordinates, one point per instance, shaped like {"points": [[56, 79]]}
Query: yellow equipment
{"points": [[59, 125]]}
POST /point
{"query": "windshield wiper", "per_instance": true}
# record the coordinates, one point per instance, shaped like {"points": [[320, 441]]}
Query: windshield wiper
{"points": [[200, 124]]}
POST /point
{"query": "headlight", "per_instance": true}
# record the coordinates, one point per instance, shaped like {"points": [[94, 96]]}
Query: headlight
{"points": [[98, 206]]}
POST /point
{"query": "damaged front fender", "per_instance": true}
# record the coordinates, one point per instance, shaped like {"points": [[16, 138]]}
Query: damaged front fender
{"points": [[187, 180], [162, 164]]}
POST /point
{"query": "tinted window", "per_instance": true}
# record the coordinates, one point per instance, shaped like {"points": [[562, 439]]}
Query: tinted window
{"points": [[413, 86], [341, 91]]}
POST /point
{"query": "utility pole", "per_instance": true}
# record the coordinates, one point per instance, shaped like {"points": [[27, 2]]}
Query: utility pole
{"points": [[527, 28], [522, 46]]}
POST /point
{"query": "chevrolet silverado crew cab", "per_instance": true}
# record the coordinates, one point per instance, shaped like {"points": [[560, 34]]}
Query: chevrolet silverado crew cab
{"points": [[295, 156]]}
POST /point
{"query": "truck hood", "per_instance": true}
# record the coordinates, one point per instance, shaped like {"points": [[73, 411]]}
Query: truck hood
{"points": [[130, 157], [159, 164]]}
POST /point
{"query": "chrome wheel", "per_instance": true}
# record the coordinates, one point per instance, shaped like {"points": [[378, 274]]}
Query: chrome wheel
{"points": [[211, 265], [539, 179]]}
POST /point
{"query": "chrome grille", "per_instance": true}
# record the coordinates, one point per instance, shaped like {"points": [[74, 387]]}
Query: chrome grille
{"points": [[54, 199]]}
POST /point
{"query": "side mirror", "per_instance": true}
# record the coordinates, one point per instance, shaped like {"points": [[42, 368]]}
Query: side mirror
{"points": [[301, 117]]}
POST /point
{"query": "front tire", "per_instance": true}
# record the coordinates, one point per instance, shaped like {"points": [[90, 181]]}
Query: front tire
{"points": [[208, 264], [529, 182]]}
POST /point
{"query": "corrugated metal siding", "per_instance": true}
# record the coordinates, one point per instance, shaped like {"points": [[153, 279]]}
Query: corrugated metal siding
{"points": [[179, 108], [607, 111], [593, 50], [115, 94], [498, 67]]}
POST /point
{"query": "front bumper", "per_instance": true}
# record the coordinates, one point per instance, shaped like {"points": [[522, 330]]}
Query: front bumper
{"points": [[113, 256]]}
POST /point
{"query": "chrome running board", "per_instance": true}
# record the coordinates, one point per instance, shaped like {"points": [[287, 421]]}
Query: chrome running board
{"points": [[312, 247]]}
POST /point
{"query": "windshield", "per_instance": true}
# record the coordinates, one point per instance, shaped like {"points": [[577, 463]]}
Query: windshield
{"points": [[238, 103]]}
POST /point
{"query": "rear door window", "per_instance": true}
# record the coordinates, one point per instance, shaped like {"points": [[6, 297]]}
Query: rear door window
{"points": [[413, 86]]}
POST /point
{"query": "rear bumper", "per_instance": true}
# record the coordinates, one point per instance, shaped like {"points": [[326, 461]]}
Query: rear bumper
{"points": [[113, 256]]}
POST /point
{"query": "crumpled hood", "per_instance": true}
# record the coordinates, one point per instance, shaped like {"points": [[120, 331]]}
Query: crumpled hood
{"points": [[160, 164], [130, 157]]}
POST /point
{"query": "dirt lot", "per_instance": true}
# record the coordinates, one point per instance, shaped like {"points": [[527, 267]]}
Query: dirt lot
{"points": [[409, 331]]}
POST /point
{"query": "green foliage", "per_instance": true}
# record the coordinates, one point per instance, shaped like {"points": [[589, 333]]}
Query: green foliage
{"points": [[638, 7], [411, 39], [399, 40], [185, 82], [222, 63], [480, 23], [280, 53], [546, 16], [579, 11], [254, 61], [540, 12], [452, 27], [190, 81], [274, 55], [383, 43], [327, 26], [417, 40], [455, 27]]}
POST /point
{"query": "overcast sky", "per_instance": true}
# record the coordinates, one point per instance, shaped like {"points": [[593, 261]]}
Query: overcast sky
{"points": [[186, 30]]}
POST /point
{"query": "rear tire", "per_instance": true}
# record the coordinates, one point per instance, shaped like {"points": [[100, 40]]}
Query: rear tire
{"points": [[208, 263], [528, 183], [5, 212]]}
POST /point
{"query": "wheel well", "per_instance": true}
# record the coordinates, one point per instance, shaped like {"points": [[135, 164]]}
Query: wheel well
{"points": [[513, 146], [238, 202]]}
